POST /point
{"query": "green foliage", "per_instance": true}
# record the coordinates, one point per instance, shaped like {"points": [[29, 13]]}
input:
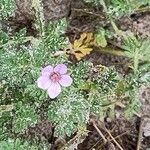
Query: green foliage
{"points": [[5, 108], [105, 80], [118, 8], [54, 38], [24, 116], [71, 109], [6, 8], [3, 37], [23, 61], [79, 72], [22, 57], [5, 125], [137, 50], [103, 91], [36, 5], [102, 96], [68, 112], [17, 144], [95, 2], [144, 74], [101, 104], [100, 38], [131, 93]]}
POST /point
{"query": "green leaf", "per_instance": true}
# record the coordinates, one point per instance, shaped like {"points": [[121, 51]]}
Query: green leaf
{"points": [[70, 110], [4, 108], [25, 116], [101, 39], [17, 144]]}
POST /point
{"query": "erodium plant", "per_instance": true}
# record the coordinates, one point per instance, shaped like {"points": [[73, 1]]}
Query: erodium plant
{"points": [[31, 77]]}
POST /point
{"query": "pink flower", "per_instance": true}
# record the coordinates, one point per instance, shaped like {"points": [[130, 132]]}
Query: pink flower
{"points": [[52, 79]]}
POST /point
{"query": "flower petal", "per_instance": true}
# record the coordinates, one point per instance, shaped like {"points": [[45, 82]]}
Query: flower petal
{"points": [[43, 82], [65, 80], [47, 70], [61, 68], [54, 90]]}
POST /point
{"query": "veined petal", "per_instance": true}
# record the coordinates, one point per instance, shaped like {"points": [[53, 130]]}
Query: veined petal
{"points": [[54, 90], [47, 70], [65, 80], [43, 82], [61, 68]]}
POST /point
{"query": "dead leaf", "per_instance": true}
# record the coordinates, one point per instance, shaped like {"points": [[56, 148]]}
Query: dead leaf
{"points": [[81, 47]]}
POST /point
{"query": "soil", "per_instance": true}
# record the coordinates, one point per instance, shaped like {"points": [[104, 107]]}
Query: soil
{"points": [[129, 134]]}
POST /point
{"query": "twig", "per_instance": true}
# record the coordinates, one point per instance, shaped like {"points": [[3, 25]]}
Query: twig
{"points": [[118, 136], [139, 136], [100, 133], [145, 9], [113, 139], [69, 143], [89, 12]]}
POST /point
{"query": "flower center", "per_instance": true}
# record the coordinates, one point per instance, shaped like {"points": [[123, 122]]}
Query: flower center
{"points": [[55, 77]]}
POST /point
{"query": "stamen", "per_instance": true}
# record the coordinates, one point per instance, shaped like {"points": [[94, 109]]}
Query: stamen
{"points": [[55, 77]]}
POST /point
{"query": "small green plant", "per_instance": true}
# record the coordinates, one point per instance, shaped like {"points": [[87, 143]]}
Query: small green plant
{"points": [[137, 50]]}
